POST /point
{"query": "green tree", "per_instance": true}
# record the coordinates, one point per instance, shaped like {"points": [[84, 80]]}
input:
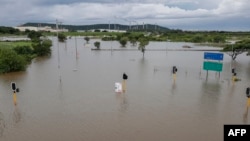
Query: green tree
{"points": [[97, 45], [8, 30], [143, 42], [61, 37], [87, 39], [133, 41], [42, 48], [238, 48], [34, 36], [123, 41], [10, 61], [198, 39], [25, 51], [219, 39], [108, 38]]}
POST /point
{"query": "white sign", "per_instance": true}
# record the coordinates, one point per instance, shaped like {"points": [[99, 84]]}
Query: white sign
{"points": [[118, 87]]}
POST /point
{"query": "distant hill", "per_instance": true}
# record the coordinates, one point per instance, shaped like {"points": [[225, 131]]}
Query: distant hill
{"points": [[102, 26]]}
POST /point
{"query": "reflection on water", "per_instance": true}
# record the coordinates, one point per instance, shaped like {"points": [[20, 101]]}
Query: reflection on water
{"points": [[245, 116], [173, 86], [16, 115], [2, 124], [156, 106], [122, 101]]}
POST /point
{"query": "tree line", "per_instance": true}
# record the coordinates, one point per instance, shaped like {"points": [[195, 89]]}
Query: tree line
{"points": [[9, 30], [212, 38]]}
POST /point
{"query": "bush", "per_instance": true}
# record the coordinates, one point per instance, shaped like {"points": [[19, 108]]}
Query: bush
{"points": [[123, 41], [97, 44], [10, 61], [42, 48], [23, 50], [34, 36], [26, 52], [61, 37], [87, 39]]}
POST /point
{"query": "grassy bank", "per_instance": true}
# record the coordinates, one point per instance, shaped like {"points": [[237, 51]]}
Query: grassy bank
{"points": [[13, 44]]}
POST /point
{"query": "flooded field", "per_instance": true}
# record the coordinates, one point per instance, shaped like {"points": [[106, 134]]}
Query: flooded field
{"points": [[71, 96]]}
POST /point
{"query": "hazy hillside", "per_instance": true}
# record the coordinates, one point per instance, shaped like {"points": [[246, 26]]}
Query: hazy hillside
{"points": [[102, 26]]}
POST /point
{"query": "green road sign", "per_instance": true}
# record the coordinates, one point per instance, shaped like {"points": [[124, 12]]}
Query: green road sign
{"points": [[213, 66]]}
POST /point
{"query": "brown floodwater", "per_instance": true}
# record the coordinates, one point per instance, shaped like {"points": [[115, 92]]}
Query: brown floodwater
{"points": [[71, 96]]}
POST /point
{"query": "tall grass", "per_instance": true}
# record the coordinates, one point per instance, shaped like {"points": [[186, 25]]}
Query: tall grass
{"points": [[14, 44]]}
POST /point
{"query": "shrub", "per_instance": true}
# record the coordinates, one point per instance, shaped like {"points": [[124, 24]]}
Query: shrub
{"points": [[10, 61]]}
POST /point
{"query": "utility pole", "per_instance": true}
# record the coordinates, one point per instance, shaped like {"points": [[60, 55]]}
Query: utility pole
{"points": [[56, 27], [109, 26], [58, 52], [57, 44]]}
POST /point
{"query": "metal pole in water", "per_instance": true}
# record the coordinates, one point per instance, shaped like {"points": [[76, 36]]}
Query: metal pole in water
{"points": [[248, 102], [58, 52], [15, 89], [76, 46], [125, 77], [174, 76], [14, 98], [76, 54], [207, 73], [124, 85]]}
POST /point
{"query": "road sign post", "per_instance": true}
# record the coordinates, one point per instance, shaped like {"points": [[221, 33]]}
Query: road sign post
{"points": [[213, 56], [212, 66], [212, 62]]}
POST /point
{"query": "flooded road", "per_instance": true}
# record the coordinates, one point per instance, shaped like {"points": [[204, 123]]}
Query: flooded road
{"points": [[71, 96]]}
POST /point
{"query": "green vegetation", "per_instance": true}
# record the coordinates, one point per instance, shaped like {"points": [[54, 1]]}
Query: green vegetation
{"points": [[87, 39], [15, 56], [61, 37], [9, 30], [97, 45], [22, 52], [109, 38], [143, 42], [123, 41], [34, 36], [10, 61], [15, 44], [208, 38], [26, 52], [42, 48], [239, 47], [214, 38]]}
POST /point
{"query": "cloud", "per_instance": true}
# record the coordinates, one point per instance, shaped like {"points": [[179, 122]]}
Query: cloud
{"points": [[171, 13], [233, 7]]}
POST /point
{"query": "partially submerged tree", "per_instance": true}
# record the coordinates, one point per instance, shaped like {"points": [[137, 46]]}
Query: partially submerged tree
{"points": [[143, 42], [97, 45], [34, 36], [238, 48], [87, 39], [42, 48], [61, 37], [133, 41], [234, 53], [123, 41]]}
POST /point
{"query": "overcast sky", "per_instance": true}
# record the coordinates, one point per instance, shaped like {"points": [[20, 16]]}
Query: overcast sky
{"points": [[176, 14]]}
